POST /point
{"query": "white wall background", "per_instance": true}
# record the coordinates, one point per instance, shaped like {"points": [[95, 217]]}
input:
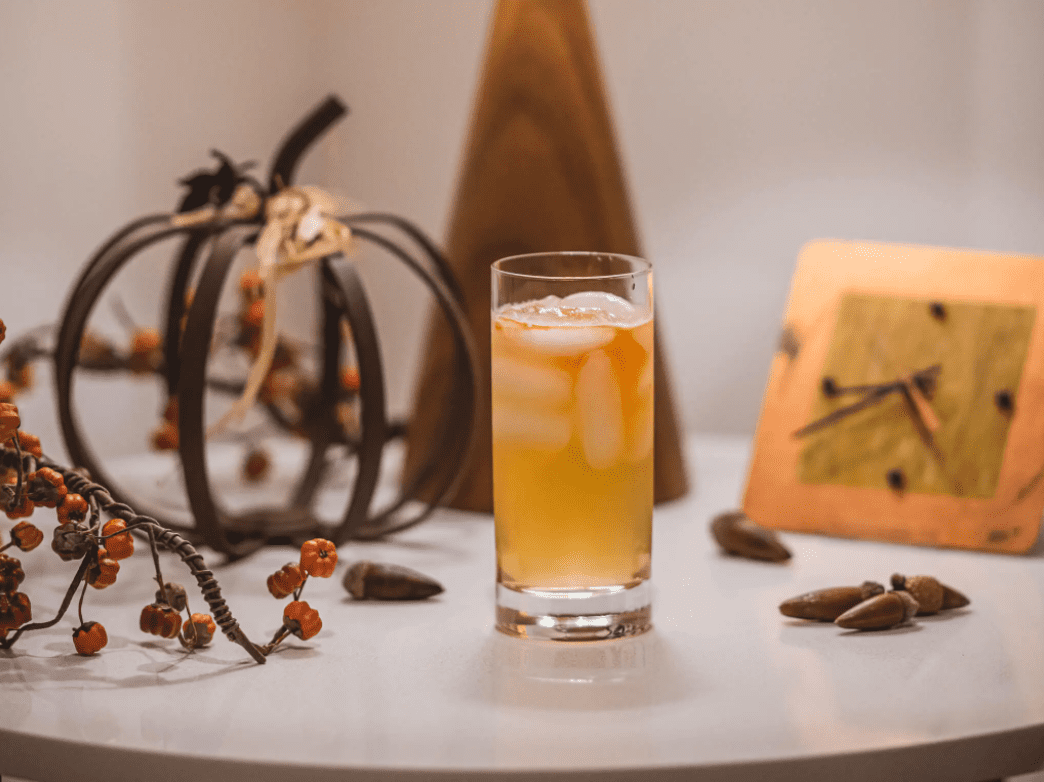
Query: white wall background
{"points": [[746, 128]]}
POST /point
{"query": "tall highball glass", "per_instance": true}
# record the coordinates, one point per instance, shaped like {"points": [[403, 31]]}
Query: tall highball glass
{"points": [[572, 357]]}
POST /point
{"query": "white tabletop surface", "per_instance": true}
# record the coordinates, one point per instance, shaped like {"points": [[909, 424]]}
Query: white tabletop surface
{"points": [[724, 687]]}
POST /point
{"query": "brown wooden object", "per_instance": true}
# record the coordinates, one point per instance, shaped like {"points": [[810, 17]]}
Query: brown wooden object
{"points": [[540, 173], [907, 401]]}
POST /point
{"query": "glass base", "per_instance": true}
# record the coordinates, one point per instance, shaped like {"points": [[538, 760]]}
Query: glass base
{"points": [[593, 614]]}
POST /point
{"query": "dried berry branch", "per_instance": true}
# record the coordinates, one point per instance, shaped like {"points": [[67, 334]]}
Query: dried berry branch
{"points": [[79, 485]]}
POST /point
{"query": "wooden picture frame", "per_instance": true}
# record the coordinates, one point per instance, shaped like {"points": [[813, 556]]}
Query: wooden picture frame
{"points": [[953, 456]]}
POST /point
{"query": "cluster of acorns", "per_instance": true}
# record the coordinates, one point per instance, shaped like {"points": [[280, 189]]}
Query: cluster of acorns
{"points": [[870, 607]]}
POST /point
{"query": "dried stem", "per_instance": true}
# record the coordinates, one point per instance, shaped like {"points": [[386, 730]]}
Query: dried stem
{"points": [[300, 589], [278, 638], [20, 468], [6, 643], [83, 593], [155, 561]]}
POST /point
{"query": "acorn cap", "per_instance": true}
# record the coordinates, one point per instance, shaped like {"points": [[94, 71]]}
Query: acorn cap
{"points": [[927, 591], [930, 593]]}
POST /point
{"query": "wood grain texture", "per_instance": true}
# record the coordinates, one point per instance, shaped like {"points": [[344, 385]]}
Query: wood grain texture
{"points": [[540, 173], [980, 348], [991, 338]]}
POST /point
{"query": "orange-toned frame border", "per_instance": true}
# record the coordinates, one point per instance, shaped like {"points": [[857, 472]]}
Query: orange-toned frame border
{"points": [[826, 270]]}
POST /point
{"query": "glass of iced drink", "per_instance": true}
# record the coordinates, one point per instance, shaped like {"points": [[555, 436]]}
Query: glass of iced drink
{"points": [[572, 360]]}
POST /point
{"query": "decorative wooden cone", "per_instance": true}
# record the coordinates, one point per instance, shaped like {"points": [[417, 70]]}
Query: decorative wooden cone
{"points": [[540, 173]]}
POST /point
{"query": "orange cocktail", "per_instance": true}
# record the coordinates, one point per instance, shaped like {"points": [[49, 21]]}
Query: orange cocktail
{"points": [[572, 401]]}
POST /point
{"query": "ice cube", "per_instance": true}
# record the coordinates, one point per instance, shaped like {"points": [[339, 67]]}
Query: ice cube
{"points": [[545, 430], [543, 385], [643, 434], [560, 340], [612, 307], [645, 336], [600, 411], [645, 379]]}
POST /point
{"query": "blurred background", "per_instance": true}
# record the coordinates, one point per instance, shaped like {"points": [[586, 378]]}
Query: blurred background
{"points": [[745, 127]]}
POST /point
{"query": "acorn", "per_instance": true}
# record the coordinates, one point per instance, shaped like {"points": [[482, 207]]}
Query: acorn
{"points": [[826, 605], [879, 612], [930, 593], [739, 535], [953, 599], [377, 581]]}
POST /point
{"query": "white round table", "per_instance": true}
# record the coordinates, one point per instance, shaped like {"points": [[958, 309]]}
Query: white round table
{"points": [[724, 687]]}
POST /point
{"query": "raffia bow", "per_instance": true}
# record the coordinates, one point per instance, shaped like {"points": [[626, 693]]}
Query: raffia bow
{"points": [[299, 229]]}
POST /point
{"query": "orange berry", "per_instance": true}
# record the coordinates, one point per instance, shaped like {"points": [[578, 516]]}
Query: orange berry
{"points": [[46, 487], [198, 631], [319, 558], [250, 282], [145, 340], [89, 638], [26, 536], [165, 437], [285, 580], [102, 572], [9, 420], [350, 378], [145, 351], [254, 315], [11, 574], [30, 443], [161, 620], [302, 620], [119, 546], [22, 510], [15, 610], [73, 508]]}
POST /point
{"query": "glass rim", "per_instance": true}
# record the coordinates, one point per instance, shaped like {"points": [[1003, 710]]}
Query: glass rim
{"points": [[644, 266]]}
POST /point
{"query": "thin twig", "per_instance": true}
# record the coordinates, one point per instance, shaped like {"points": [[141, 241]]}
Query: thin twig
{"points": [[83, 593], [155, 561]]}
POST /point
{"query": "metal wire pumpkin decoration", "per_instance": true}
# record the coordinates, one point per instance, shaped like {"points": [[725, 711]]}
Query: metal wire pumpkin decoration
{"points": [[189, 331]]}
